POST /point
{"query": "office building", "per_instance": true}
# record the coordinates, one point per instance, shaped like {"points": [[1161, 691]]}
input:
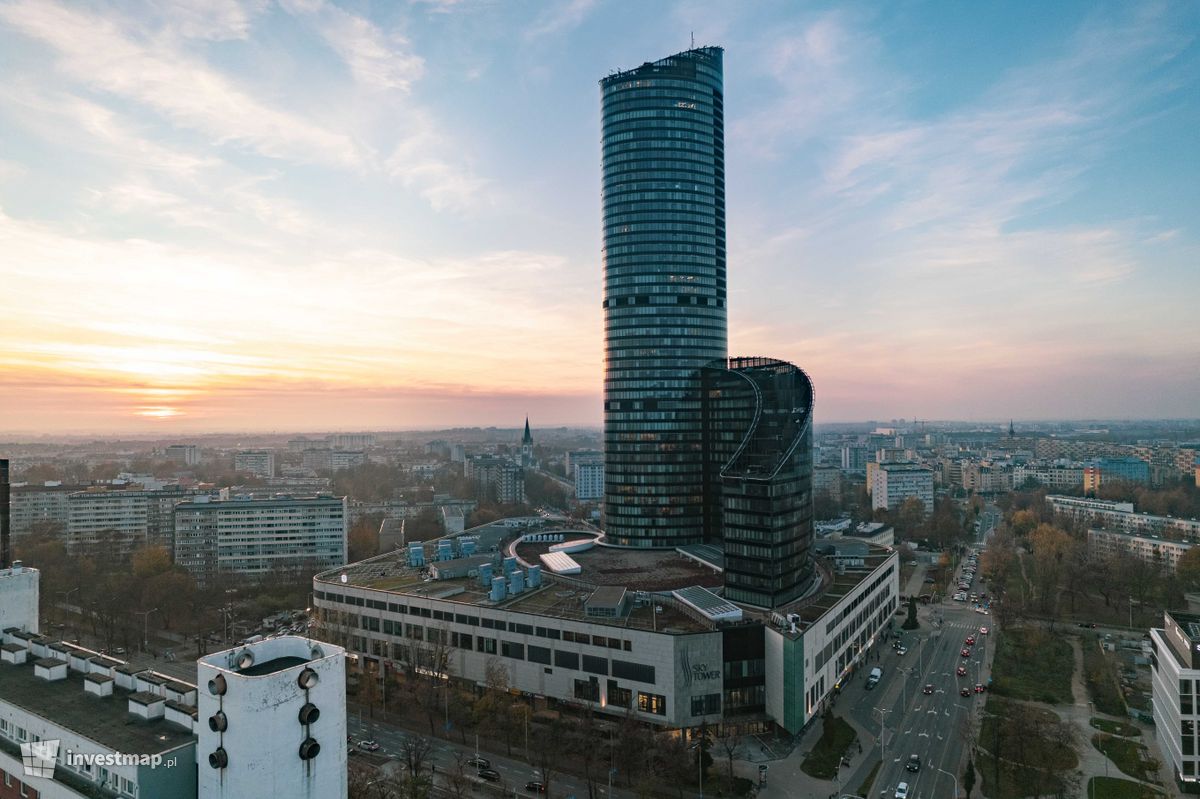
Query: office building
{"points": [[183, 454], [758, 477], [1175, 681], [272, 720], [897, 482], [260, 463], [624, 631], [257, 536], [663, 201], [1162, 552]]}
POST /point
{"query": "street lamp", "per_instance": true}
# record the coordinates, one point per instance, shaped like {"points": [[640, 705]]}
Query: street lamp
{"points": [[953, 777], [882, 745], [146, 626], [699, 764]]}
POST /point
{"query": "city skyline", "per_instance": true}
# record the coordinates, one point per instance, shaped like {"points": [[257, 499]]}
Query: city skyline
{"points": [[393, 218]]}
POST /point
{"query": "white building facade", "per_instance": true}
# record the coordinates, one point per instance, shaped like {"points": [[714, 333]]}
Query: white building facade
{"points": [[1175, 666], [896, 482], [260, 463]]}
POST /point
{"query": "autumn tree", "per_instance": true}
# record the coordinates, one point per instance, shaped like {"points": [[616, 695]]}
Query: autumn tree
{"points": [[1188, 569], [1051, 549]]}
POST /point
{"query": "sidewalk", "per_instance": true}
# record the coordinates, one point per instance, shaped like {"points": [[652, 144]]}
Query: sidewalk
{"points": [[785, 779]]}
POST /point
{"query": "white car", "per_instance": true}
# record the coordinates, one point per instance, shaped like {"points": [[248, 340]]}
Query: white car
{"points": [[902, 791], [960, 597]]}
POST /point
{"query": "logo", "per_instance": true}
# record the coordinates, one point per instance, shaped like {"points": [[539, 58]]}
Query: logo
{"points": [[38, 758], [695, 672]]}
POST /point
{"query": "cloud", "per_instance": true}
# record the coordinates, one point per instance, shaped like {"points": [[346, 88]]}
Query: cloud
{"points": [[376, 60], [417, 162], [559, 18], [157, 74]]}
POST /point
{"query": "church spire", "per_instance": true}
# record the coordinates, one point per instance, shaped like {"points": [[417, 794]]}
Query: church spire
{"points": [[527, 438], [1012, 433]]}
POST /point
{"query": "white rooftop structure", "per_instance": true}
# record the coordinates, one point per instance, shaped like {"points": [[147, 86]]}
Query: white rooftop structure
{"points": [[560, 563]]}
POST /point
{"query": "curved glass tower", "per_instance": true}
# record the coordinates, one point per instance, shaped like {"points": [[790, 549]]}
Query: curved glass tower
{"points": [[664, 291]]}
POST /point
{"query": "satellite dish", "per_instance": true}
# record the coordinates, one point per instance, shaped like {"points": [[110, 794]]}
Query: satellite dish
{"points": [[345, 579]]}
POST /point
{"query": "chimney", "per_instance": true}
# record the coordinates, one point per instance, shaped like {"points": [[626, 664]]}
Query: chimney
{"points": [[5, 499]]}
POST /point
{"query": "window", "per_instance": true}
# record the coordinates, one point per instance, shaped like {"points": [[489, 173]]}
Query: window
{"points": [[706, 705], [632, 671], [486, 645], [539, 654], [588, 690], [618, 696], [511, 649], [595, 665], [567, 660], [652, 703]]}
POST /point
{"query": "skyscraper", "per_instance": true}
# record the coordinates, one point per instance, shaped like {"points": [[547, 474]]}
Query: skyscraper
{"points": [[664, 290]]}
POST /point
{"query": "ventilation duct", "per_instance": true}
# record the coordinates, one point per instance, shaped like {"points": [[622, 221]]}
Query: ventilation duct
{"points": [[218, 722], [308, 679], [309, 749], [309, 713], [217, 685], [219, 758]]}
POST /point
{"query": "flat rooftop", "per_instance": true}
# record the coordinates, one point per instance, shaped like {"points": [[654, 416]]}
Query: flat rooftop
{"points": [[635, 569], [105, 720]]}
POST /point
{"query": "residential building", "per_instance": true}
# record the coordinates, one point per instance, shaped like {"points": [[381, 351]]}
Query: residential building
{"points": [[855, 458], [589, 480], [354, 442], [257, 536], [896, 482], [123, 520], [829, 480], [40, 505], [1056, 477], [1149, 548], [497, 479], [183, 454], [1121, 516], [664, 290], [1175, 685], [260, 463], [332, 460]]}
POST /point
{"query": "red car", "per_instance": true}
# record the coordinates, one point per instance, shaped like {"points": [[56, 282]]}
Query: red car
{"points": [[965, 692], [962, 671], [970, 640], [966, 653], [979, 688]]}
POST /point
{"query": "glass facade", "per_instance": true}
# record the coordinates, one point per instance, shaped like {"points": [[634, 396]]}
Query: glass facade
{"points": [[758, 477], [664, 291]]}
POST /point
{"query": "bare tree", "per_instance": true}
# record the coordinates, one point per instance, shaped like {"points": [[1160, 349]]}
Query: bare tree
{"points": [[728, 746]]}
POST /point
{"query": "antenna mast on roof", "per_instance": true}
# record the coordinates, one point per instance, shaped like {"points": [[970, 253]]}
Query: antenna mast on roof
{"points": [[693, 40]]}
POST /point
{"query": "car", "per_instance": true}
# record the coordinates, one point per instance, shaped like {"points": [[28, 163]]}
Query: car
{"points": [[489, 774], [351, 751], [970, 640], [983, 630], [913, 764], [929, 580], [901, 650], [368, 745], [979, 688], [901, 791], [120, 650], [533, 786], [966, 652], [964, 692], [960, 597], [984, 611], [962, 671], [479, 762], [928, 689]]}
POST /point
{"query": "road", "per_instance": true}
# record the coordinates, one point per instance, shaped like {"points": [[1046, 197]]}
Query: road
{"points": [[934, 727], [514, 773]]}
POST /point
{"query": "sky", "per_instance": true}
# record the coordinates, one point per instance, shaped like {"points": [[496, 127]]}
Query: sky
{"points": [[300, 215]]}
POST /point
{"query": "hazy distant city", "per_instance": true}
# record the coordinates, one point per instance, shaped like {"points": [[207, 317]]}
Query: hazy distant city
{"points": [[368, 433]]}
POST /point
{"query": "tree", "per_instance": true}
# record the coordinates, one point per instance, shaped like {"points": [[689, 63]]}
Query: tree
{"points": [[1023, 523], [363, 539], [909, 517], [729, 746], [911, 622], [969, 778], [1188, 569], [1051, 548]]}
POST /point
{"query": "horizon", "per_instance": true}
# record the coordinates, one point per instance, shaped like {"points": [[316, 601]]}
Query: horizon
{"points": [[976, 214]]}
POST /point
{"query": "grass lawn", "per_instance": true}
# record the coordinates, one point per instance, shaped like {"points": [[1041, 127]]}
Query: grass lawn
{"points": [[1116, 727], [823, 761], [1029, 764], [1100, 678], [1114, 788], [1129, 756], [1033, 664]]}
